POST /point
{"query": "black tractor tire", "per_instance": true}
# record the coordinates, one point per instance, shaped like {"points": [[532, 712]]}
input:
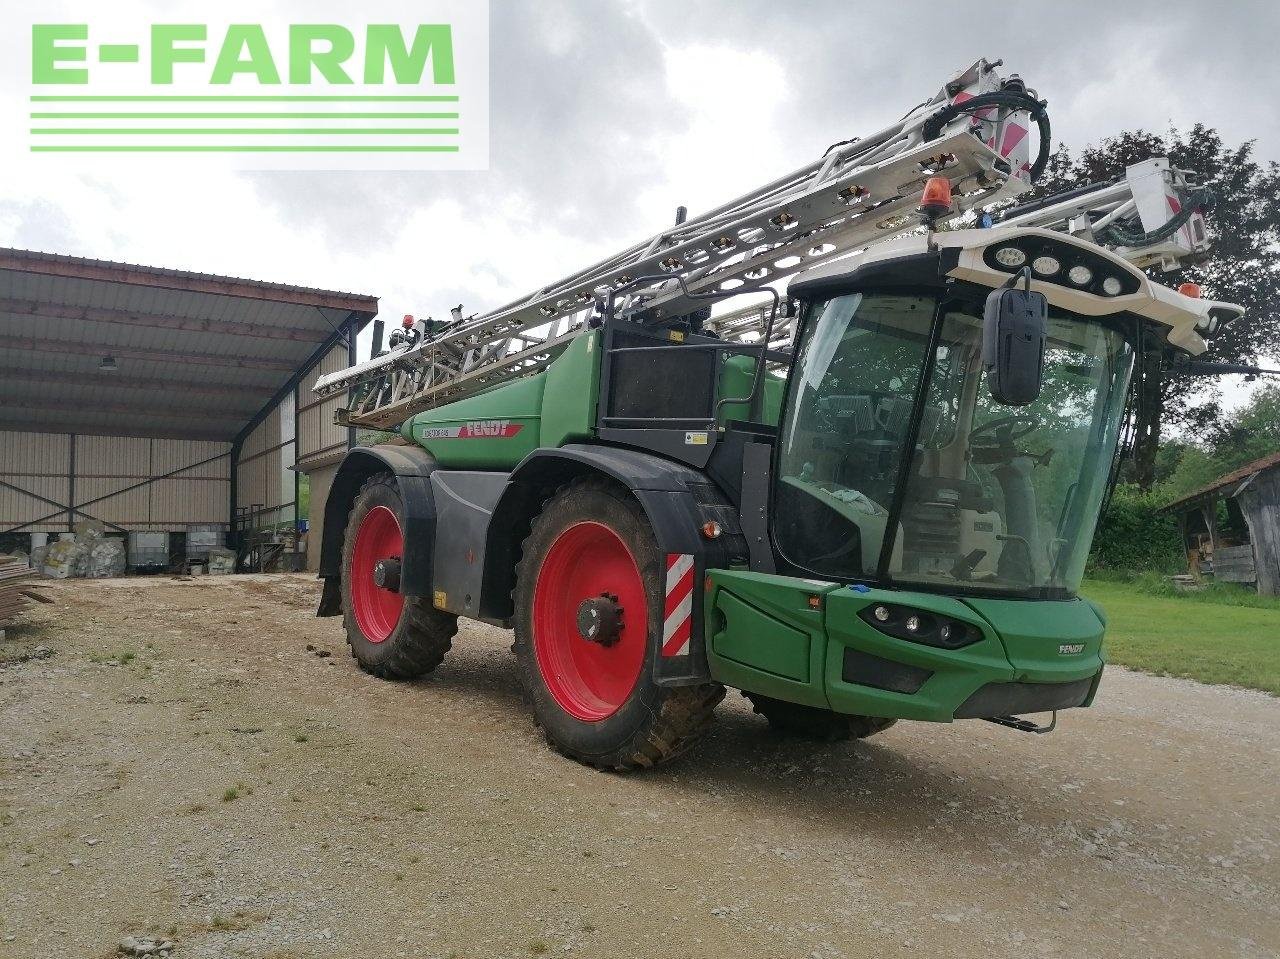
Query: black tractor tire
{"points": [[653, 724], [423, 634], [809, 722]]}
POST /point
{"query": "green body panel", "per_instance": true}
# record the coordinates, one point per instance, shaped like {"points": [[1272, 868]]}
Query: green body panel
{"points": [[761, 627], [957, 674], [573, 386], [763, 636], [1035, 633], [493, 430], [736, 374], [496, 429]]}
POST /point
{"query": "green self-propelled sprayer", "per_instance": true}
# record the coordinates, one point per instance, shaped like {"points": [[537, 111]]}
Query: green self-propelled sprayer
{"points": [[869, 499]]}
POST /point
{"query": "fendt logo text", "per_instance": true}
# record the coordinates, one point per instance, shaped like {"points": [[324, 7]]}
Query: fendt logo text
{"points": [[276, 94]]}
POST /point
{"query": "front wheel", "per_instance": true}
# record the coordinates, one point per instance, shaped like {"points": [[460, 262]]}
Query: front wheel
{"points": [[392, 636], [589, 605], [809, 722]]}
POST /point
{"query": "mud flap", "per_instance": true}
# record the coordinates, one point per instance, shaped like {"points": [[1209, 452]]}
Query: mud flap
{"points": [[331, 597], [682, 660]]}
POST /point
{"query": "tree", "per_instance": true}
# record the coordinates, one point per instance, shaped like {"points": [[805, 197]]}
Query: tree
{"points": [[1253, 433], [1243, 266]]}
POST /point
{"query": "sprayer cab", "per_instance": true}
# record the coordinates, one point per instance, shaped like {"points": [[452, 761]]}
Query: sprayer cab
{"points": [[954, 409]]}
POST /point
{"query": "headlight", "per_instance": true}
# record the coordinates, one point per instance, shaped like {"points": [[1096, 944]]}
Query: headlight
{"points": [[1080, 275], [919, 626], [1010, 256], [1111, 286], [1046, 265]]}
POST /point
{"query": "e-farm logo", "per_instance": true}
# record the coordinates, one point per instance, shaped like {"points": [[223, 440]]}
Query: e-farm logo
{"points": [[304, 94]]}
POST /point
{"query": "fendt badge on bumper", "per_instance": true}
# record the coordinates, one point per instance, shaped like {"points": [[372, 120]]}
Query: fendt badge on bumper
{"points": [[1070, 649]]}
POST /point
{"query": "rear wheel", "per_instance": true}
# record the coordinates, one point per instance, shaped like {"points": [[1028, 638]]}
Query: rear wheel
{"points": [[809, 722], [589, 604], [392, 636]]}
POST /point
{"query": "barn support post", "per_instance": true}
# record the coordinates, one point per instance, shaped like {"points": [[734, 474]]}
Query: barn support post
{"points": [[1209, 512], [233, 535], [1260, 504], [71, 484], [1188, 555], [344, 332], [297, 476], [353, 357]]}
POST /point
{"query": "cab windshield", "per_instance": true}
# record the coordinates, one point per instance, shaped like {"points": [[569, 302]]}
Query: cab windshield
{"points": [[955, 491]]}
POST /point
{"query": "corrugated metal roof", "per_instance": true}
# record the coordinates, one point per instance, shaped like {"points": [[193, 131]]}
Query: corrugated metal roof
{"points": [[197, 354], [1227, 479]]}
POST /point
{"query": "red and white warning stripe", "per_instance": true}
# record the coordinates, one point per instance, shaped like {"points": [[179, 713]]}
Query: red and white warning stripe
{"points": [[677, 627]]}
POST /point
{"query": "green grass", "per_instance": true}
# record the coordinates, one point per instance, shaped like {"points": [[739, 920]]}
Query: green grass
{"points": [[1222, 634]]}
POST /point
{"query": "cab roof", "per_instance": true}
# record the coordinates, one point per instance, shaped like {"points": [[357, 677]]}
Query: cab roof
{"points": [[968, 255]]}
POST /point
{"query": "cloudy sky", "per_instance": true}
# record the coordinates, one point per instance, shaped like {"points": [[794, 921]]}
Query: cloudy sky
{"points": [[607, 115]]}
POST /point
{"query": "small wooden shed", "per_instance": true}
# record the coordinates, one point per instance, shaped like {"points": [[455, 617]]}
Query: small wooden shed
{"points": [[1231, 528]]}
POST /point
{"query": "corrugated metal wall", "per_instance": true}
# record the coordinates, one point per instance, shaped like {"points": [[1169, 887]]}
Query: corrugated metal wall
{"points": [[318, 435], [38, 463], [265, 483], [112, 478]]}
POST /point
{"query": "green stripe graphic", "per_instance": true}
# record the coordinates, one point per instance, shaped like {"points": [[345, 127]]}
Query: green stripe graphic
{"points": [[246, 99], [309, 131], [248, 148], [118, 53], [244, 116]]}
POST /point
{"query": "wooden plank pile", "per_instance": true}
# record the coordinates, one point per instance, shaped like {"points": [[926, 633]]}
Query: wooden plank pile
{"points": [[16, 578]]}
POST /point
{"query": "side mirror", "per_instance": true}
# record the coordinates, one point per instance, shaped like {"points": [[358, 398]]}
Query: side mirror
{"points": [[1013, 338]]}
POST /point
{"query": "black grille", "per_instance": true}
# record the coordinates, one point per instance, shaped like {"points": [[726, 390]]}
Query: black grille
{"points": [[1011, 699], [864, 669], [674, 382]]}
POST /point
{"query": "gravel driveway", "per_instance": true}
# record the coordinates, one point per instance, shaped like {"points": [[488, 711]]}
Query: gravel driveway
{"points": [[175, 761]]}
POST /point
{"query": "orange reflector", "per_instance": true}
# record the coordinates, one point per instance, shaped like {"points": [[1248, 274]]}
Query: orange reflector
{"points": [[1190, 289], [815, 602], [937, 196], [711, 529]]}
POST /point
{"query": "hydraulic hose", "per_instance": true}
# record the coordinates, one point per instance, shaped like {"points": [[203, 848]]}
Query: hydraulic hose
{"points": [[1199, 200], [1010, 99]]}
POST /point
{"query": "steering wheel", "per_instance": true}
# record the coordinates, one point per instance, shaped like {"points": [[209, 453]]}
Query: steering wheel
{"points": [[1003, 432]]}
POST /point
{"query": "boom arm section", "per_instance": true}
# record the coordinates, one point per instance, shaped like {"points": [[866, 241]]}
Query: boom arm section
{"points": [[974, 131], [1154, 215]]}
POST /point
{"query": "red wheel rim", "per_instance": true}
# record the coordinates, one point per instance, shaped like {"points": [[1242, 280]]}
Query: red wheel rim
{"points": [[377, 610], [587, 680]]}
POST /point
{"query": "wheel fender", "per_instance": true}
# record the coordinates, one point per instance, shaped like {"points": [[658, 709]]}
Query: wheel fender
{"points": [[412, 468], [676, 499]]}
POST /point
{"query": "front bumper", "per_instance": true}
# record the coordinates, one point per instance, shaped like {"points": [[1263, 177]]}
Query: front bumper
{"points": [[803, 641]]}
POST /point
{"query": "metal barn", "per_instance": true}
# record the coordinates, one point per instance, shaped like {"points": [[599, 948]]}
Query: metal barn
{"points": [[162, 400]]}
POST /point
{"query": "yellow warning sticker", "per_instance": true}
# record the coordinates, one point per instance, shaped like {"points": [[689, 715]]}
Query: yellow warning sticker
{"points": [[441, 599], [676, 336], [696, 438]]}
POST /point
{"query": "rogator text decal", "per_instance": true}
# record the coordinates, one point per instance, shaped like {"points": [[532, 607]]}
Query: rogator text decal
{"points": [[379, 85]]}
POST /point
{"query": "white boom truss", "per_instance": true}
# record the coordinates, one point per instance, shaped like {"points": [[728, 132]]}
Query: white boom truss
{"points": [[857, 194], [1147, 201]]}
